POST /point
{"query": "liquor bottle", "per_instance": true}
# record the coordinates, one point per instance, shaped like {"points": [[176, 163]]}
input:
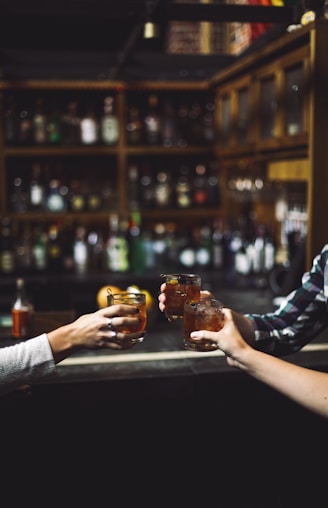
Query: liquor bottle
{"points": [[213, 189], [21, 312], [23, 249], [136, 248], [7, 254], [152, 122], [66, 244], [183, 188], [55, 201], [25, 126], [242, 254], [217, 245], [208, 122], [172, 247], [203, 254], [89, 127], [80, 251], [94, 201], [117, 246], [187, 251], [162, 190], [39, 249], [200, 189], [77, 196], [109, 123], [160, 246], [96, 251], [10, 126], [54, 125], [148, 247], [183, 125], [19, 197], [39, 121], [55, 250], [133, 187], [134, 128], [37, 189], [168, 124], [71, 124], [195, 121], [147, 187]]}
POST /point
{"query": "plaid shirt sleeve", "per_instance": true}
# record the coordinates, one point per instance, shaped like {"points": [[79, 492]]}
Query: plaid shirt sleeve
{"points": [[301, 316]]}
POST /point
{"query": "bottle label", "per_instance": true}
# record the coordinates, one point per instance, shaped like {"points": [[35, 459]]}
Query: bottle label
{"points": [[7, 261], [89, 133], [110, 131], [20, 323]]}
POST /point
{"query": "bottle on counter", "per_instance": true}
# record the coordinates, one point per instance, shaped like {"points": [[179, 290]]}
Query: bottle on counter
{"points": [[21, 312]]}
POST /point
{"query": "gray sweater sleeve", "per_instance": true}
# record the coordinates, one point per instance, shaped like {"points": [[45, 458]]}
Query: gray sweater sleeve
{"points": [[25, 362]]}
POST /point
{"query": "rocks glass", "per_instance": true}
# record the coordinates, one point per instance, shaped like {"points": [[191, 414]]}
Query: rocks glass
{"points": [[135, 300], [201, 314], [179, 287]]}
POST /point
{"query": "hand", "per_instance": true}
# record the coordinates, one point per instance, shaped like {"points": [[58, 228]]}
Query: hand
{"points": [[228, 339], [96, 331]]}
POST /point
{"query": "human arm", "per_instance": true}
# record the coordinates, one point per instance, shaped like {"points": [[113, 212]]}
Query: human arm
{"points": [[300, 318], [90, 331], [36, 358], [306, 387]]}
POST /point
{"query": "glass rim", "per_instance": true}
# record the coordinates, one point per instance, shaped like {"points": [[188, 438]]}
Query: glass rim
{"points": [[180, 275], [201, 299]]}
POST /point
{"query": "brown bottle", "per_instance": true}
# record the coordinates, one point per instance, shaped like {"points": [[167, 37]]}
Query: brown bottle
{"points": [[21, 312]]}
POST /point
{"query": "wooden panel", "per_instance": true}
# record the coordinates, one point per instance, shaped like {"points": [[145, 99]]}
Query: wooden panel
{"points": [[291, 170]]}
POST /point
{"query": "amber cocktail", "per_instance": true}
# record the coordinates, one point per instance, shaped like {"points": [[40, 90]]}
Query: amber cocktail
{"points": [[201, 314], [135, 300], [179, 287]]}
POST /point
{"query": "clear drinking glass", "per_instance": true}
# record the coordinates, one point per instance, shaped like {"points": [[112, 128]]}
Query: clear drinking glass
{"points": [[179, 287], [135, 300], [201, 314]]}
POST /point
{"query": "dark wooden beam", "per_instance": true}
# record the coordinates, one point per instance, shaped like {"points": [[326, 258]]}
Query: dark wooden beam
{"points": [[228, 13]]}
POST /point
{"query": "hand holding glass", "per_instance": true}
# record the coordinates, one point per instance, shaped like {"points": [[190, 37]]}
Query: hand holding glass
{"points": [[179, 287], [201, 314], [135, 300]]}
